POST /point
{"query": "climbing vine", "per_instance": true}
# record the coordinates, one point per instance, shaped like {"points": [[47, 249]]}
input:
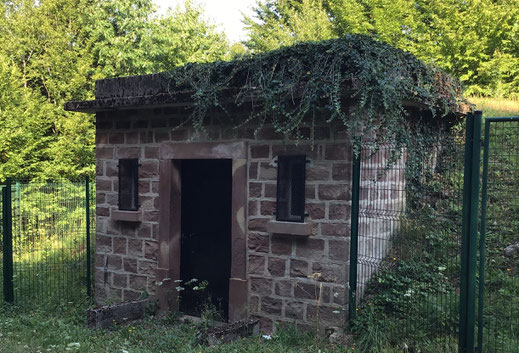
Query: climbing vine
{"points": [[354, 81]]}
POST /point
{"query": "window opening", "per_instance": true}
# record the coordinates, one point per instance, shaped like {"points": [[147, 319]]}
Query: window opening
{"points": [[128, 184], [291, 188]]}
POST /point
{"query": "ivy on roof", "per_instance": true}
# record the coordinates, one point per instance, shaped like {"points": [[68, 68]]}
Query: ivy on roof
{"points": [[355, 80]]}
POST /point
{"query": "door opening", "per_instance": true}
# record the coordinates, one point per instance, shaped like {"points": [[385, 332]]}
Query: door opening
{"points": [[205, 259]]}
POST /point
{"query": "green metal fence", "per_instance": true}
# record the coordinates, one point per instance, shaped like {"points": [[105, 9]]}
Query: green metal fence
{"points": [[429, 272], [46, 241], [498, 311], [414, 233]]}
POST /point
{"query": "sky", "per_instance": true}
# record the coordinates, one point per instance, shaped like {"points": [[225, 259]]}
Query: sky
{"points": [[224, 13]]}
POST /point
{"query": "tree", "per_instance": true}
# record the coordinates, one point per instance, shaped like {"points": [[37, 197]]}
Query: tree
{"points": [[475, 40], [183, 36], [44, 66], [52, 51], [286, 22], [464, 37], [23, 124], [392, 21], [119, 36]]}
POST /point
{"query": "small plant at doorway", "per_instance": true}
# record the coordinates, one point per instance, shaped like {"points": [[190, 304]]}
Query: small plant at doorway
{"points": [[193, 284], [209, 313]]}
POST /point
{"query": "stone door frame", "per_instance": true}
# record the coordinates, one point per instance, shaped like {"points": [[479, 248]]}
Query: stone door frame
{"points": [[168, 267]]}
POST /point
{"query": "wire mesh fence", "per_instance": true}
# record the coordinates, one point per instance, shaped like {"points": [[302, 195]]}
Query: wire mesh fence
{"points": [[499, 302], [408, 266], [49, 246], [1, 244]]}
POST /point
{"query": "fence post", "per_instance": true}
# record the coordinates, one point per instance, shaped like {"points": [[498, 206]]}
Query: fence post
{"points": [[469, 232], [482, 236], [88, 250], [354, 239], [7, 224]]}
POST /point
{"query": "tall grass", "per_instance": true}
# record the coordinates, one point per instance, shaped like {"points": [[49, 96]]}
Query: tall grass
{"points": [[495, 107]]}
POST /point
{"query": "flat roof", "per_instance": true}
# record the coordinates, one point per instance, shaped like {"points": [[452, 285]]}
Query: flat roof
{"points": [[161, 89]]}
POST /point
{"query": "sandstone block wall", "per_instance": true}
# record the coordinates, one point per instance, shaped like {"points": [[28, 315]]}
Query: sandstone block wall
{"points": [[291, 279]]}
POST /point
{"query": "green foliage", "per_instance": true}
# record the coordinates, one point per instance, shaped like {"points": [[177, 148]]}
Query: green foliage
{"points": [[475, 40], [287, 22], [374, 337], [182, 36], [412, 302], [292, 87], [119, 37], [126, 38], [23, 123], [52, 51]]}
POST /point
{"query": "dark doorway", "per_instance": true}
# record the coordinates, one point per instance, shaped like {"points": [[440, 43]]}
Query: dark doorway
{"points": [[205, 259]]}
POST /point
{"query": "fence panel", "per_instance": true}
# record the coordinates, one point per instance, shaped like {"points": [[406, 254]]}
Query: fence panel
{"points": [[1, 244], [49, 241], [499, 267], [409, 238]]}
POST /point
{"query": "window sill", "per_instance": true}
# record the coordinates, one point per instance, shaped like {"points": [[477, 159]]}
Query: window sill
{"points": [[127, 216], [293, 228]]}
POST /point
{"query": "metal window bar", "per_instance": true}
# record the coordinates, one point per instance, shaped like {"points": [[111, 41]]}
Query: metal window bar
{"points": [[290, 205], [129, 184]]}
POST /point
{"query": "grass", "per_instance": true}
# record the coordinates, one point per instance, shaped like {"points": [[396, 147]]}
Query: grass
{"points": [[64, 329], [495, 107], [414, 302], [411, 303]]}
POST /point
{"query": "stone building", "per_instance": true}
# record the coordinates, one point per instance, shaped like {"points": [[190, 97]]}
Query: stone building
{"points": [[176, 207]]}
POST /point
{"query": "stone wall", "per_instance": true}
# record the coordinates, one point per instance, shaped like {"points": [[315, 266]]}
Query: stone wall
{"points": [[291, 279], [300, 279]]}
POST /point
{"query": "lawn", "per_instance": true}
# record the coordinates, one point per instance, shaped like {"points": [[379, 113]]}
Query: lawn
{"points": [[64, 329]]}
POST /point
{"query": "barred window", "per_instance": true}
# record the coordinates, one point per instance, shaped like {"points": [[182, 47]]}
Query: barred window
{"points": [[291, 188], [129, 184]]}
